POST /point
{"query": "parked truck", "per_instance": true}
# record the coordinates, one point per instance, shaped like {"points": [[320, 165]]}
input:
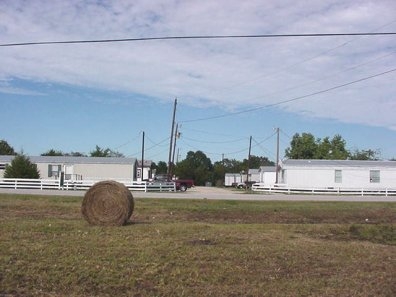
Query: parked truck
{"points": [[181, 184]]}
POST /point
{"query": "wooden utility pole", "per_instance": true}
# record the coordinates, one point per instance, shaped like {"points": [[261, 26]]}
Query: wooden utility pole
{"points": [[141, 173], [277, 157], [171, 141], [248, 162], [174, 147]]}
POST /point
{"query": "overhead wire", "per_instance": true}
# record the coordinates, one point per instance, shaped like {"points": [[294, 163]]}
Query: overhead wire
{"points": [[228, 37], [259, 144], [128, 142], [207, 132], [282, 69], [149, 148], [215, 142], [196, 37], [327, 76], [290, 100], [197, 149]]}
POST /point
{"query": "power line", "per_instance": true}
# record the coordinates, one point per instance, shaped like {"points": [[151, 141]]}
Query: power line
{"points": [[283, 69], [215, 142], [290, 100], [196, 37], [329, 76]]}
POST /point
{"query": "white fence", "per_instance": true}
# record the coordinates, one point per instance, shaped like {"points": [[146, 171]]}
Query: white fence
{"points": [[55, 184], [335, 191]]}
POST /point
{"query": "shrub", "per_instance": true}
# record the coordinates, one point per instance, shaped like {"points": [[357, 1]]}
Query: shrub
{"points": [[21, 167]]}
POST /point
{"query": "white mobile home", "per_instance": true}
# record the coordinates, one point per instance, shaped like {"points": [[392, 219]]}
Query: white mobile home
{"points": [[232, 179], [254, 175], [338, 174], [147, 173], [78, 168], [267, 176]]}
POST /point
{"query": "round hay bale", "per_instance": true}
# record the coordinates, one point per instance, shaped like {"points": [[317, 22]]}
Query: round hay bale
{"points": [[107, 203]]}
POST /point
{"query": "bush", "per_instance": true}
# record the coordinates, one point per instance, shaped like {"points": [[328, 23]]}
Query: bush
{"points": [[21, 167]]}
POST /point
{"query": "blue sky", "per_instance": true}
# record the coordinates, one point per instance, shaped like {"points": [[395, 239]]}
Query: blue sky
{"points": [[74, 97]]}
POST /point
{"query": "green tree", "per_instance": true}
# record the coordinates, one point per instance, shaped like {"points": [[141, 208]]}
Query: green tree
{"points": [[52, 152], [256, 162], [232, 165], [305, 146], [219, 172], [161, 167], [6, 149], [302, 146], [76, 154], [364, 155], [196, 166], [101, 152], [334, 149], [21, 167], [338, 148], [324, 149]]}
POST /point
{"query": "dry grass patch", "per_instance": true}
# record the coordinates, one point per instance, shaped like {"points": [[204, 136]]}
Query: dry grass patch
{"points": [[171, 248]]}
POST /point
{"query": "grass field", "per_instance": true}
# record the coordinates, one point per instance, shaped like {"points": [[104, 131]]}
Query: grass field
{"points": [[198, 248]]}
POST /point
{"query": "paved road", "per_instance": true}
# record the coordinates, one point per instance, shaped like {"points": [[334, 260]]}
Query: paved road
{"points": [[216, 193]]}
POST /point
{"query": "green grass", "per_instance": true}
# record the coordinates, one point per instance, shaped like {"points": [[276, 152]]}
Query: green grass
{"points": [[176, 247]]}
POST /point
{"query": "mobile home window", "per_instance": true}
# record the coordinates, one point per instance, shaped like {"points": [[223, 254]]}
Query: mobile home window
{"points": [[338, 176], [54, 170], [374, 176], [2, 166]]}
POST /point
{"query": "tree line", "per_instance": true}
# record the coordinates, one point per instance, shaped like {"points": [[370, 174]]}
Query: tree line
{"points": [[306, 146], [199, 167]]}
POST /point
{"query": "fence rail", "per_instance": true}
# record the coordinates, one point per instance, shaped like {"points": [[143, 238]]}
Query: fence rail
{"points": [[327, 191], [77, 185]]}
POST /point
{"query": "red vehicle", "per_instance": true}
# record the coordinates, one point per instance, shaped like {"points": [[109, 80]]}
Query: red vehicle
{"points": [[181, 184]]}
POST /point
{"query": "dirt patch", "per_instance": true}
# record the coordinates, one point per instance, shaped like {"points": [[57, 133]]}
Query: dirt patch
{"points": [[202, 241], [378, 216]]}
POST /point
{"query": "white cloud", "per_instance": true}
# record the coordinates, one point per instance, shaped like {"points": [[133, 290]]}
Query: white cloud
{"points": [[7, 88], [233, 73]]}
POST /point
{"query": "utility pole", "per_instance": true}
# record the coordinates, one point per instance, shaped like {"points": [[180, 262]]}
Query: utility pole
{"points": [[177, 156], [141, 173], [174, 147], [248, 162], [171, 140], [277, 157]]}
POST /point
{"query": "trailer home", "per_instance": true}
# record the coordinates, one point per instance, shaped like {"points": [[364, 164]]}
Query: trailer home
{"points": [[78, 168], [338, 174]]}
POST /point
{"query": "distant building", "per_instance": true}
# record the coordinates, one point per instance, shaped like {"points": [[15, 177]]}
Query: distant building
{"points": [[147, 173], [267, 175], [232, 179], [264, 174], [337, 174], [87, 168]]}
